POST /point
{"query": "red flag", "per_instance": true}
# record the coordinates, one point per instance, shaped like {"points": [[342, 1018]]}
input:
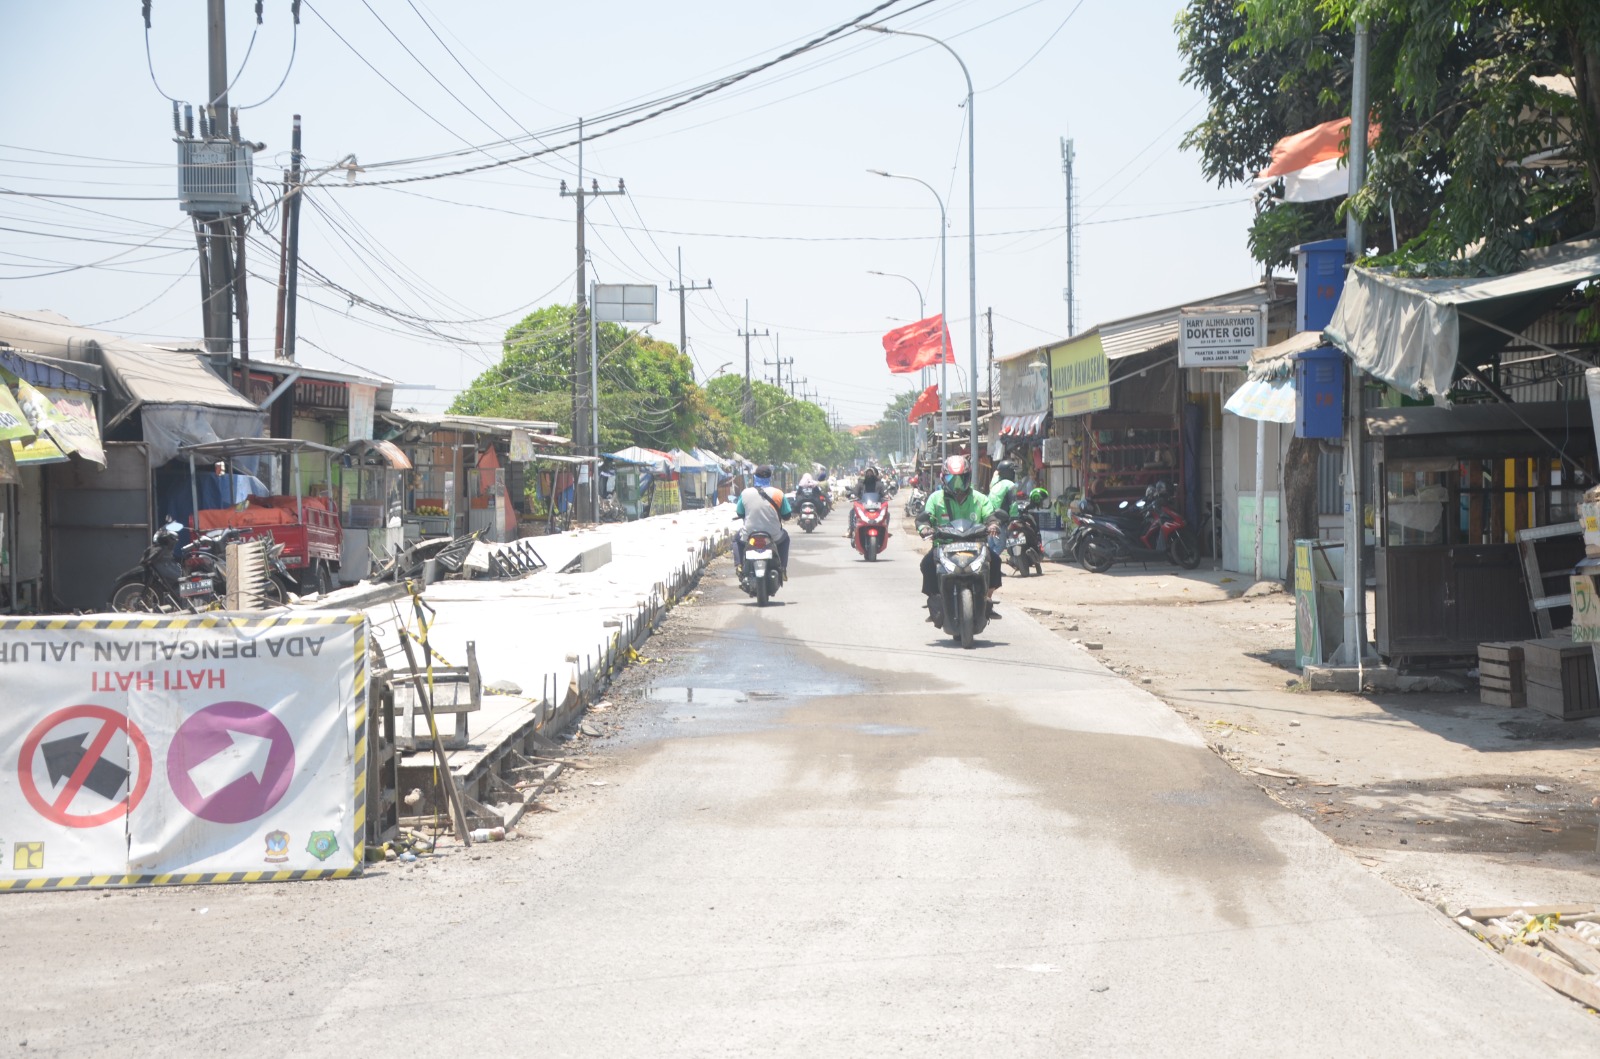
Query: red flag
{"points": [[927, 404], [917, 346]]}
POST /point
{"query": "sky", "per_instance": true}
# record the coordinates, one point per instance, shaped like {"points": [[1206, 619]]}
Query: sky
{"points": [[763, 187]]}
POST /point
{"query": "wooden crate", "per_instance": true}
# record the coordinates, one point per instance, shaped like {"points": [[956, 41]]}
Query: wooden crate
{"points": [[1500, 675], [1560, 678]]}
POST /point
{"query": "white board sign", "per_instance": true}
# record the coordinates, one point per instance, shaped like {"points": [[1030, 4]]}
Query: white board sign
{"points": [[1219, 338], [200, 748]]}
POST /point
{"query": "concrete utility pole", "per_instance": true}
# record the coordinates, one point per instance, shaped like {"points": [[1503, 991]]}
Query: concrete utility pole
{"points": [[988, 318], [291, 221], [585, 400], [748, 404], [778, 363], [683, 325], [1355, 586], [216, 241]]}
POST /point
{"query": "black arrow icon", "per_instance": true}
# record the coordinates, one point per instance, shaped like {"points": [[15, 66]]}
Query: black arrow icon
{"points": [[63, 756]]}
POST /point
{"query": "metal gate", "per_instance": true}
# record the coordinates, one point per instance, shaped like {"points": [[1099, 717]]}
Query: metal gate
{"points": [[97, 523]]}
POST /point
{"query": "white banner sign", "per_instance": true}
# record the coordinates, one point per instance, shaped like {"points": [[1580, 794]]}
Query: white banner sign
{"points": [[201, 748], [1219, 338]]}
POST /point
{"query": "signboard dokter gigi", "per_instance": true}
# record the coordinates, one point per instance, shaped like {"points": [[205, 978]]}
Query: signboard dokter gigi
{"points": [[1219, 338]]}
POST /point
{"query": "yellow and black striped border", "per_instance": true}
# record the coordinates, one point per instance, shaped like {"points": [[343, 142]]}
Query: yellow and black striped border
{"points": [[358, 706]]}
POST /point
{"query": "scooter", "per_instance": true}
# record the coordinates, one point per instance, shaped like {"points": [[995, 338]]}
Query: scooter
{"points": [[762, 572], [169, 579], [1162, 532], [1020, 553], [963, 579], [872, 527], [808, 517]]}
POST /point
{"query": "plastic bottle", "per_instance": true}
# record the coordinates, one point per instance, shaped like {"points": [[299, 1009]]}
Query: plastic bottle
{"points": [[489, 834]]}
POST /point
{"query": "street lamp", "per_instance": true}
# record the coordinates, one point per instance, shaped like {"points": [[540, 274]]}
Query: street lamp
{"points": [[944, 320], [922, 304], [972, 220]]}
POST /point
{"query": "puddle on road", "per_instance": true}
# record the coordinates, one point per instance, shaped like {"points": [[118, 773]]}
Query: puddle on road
{"points": [[676, 693]]}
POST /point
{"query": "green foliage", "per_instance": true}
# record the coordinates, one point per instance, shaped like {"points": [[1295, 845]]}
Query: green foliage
{"points": [[784, 430], [647, 391], [1451, 88], [890, 432]]}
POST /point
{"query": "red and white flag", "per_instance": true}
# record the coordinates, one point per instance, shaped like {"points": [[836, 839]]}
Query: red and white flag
{"points": [[927, 404], [917, 346], [1312, 163]]}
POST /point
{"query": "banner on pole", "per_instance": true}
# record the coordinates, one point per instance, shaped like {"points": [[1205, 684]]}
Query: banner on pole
{"points": [[199, 748]]}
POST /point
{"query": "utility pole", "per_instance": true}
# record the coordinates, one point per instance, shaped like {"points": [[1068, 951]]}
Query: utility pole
{"points": [[288, 310], [213, 233], [683, 325], [988, 316], [748, 405], [779, 362], [1353, 652], [1068, 155], [584, 398]]}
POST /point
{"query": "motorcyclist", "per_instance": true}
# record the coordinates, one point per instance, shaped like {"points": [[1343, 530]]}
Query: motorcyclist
{"points": [[1038, 499], [764, 510], [1003, 488], [868, 483], [809, 492], [955, 499]]}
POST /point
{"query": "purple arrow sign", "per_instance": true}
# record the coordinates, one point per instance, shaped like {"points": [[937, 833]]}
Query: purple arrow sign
{"points": [[230, 762]]}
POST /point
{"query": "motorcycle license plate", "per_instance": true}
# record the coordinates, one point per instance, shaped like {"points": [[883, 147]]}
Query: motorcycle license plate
{"points": [[194, 586], [752, 554]]}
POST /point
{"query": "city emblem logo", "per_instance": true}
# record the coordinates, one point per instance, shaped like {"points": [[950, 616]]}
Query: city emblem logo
{"points": [[277, 847], [27, 856], [323, 844]]}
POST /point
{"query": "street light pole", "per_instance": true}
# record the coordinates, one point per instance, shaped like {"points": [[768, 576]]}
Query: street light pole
{"points": [[944, 320], [972, 224], [922, 303]]}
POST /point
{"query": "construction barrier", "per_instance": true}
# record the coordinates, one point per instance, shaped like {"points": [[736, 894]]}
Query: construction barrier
{"points": [[146, 750]]}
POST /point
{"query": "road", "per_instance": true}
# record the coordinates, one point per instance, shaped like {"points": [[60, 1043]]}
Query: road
{"points": [[849, 838]]}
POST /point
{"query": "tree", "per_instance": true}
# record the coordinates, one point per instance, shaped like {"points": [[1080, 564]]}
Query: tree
{"points": [[647, 391], [784, 429], [890, 432], [1454, 91]]}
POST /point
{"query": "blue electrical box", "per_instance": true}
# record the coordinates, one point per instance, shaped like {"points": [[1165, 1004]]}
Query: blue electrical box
{"points": [[1321, 270], [1319, 393]]}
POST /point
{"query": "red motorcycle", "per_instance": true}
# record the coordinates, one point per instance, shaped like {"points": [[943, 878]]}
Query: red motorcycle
{"points": [[871, 516]]}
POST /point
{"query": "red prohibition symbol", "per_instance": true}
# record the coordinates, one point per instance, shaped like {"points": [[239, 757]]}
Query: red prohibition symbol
{"points": [[79, 758]]}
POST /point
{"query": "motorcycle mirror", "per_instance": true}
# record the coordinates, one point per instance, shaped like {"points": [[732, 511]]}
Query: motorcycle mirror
{"points": [[173, 526]]}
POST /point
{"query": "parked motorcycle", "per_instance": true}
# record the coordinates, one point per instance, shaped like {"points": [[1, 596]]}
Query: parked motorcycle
{"points": [[872, 527], [963, 578], [808, 517], [169, 578], [915, 504], [1020, 551], [1147, 529], [762, 572]]}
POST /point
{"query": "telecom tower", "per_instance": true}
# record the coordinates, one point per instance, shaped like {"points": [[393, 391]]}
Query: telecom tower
{"points": [[1071, 291]]}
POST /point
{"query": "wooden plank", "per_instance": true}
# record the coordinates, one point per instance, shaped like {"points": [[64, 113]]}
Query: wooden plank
{"points": [[1501, 650], [1579, 953], [1493, 697], [1475, 502], [1544, 533], [1485, 912], [1496, 683], [1583, 990]]}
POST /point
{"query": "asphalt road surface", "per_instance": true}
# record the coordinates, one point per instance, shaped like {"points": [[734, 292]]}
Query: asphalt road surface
{"points": [[833, 834]]}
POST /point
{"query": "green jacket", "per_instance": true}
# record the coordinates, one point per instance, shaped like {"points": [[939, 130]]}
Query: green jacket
{"points": [[1003, 494], [939, 511]]}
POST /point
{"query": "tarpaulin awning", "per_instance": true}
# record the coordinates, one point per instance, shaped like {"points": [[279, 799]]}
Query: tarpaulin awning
{"points": [[388, 451], [1411, 332], [1022, 426], [50, 371], [659, 462], [1261, 399]]}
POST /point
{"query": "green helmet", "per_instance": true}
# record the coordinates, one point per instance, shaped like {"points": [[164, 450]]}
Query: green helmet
{"points": [[1039, 496]]}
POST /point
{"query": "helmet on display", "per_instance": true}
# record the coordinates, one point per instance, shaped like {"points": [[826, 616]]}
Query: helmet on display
{"points": [[1005, 470], [957, 481], [1039, 496]]}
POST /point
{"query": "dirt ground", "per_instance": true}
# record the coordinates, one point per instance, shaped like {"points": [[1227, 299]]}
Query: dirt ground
{"points": [[1453, 800]]}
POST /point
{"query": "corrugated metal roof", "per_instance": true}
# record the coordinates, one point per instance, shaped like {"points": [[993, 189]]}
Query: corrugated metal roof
{"points": [[1139, 334]]}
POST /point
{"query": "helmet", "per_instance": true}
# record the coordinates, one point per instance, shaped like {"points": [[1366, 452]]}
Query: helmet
{"points": [[957, 481], [1039, 496], [1005, 469]]}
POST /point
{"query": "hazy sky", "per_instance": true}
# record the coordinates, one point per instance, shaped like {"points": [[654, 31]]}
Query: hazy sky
{"points": [[763, 186]]}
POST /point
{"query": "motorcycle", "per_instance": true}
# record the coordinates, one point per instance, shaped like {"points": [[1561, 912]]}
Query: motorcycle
{"points": [[1147, 529], [762, 572], [808, 517], [916, 503], [168, 578], [872, 527], [1020, 553], [963, 579]]}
